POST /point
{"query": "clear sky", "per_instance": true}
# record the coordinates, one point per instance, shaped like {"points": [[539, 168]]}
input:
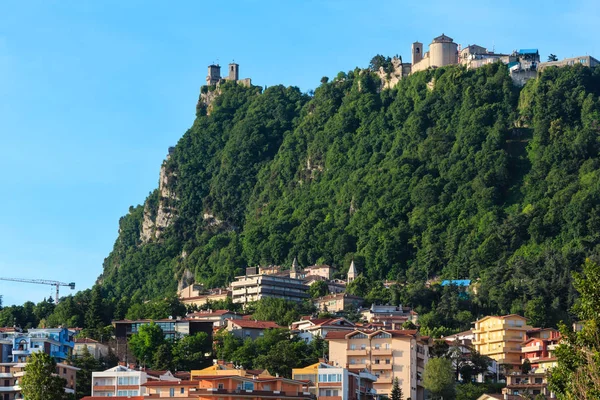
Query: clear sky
{"points": [[92, 93]]}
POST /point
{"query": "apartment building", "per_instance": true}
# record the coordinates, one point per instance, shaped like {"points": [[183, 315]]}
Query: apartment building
{"points": [[500, 338], [519, 386], [58, 343], [391, 314], [389, 354], [95, 348], [222, 368], [198, 296], [125, 381], [11, 374], [539, 347], [253, 287], [336, 383]]}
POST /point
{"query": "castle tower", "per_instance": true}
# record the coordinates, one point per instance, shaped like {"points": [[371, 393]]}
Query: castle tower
{"points": [[417, 52], [234, 72], [295, 272], [443, 51], [352, 272], [214, 74]]}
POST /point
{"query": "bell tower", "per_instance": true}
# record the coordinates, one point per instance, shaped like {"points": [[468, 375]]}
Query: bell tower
{"points": [[417, 52], [234, 72]]}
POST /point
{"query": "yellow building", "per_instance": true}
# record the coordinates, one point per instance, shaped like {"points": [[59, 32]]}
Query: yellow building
{"points": [[500, 337], [227, 369], [389, 354]]}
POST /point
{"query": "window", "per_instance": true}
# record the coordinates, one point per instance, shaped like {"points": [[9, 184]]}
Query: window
{"points": [[377, 347], [172, 392], [363, 346], [182, 390], [248, 385], [220, 386], [377, 361], [386, 346], [352, 347], [387, 360]]}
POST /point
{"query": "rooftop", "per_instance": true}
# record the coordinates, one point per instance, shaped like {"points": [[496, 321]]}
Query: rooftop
{"points": [[251, 324]]}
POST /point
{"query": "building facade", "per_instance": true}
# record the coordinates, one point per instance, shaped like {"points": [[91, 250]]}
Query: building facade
{"points": [[12, 373], [539, 348], [500, 338], [58, 343], [217, 317], [307, 329], [253, 287], [386, 354], [442, 51], [336, 383], [125, 381], [586, 61], [172, 328], [249, 329], [95, 348], [338, 302]]}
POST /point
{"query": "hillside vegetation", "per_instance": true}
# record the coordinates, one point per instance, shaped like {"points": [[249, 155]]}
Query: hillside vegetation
{"points": [[452, 174]]}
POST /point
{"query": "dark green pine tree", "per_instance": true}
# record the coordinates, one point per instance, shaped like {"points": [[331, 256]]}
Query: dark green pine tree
{"points": [[396, 390], [93, 316]]}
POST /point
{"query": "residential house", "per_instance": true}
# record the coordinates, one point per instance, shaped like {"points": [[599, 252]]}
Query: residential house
{"points": [[323, 270], [336, 383], [333, 286], [338, 302], [538, 348], [58, 343], [586, 61], [519, 386], [125, 381], [382, 313], [6, 343], [222, 368], [308, 329], [217, 317], [464, 342], [245, 328], [500, 338], [196, 295], [11, 374], [389, 354], [95, 348]]}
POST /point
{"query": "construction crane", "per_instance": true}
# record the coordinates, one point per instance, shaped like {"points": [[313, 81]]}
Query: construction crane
{"points": [[57, 284]]}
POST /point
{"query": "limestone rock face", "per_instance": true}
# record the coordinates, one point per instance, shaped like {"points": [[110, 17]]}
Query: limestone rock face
{"points": [[390, 80], [156, 221]]}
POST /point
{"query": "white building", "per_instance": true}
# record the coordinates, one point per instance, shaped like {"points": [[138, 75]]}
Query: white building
{"points": [[124, 381]]}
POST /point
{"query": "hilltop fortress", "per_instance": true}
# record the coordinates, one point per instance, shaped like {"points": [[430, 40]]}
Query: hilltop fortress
{"points": [[214, 75]]}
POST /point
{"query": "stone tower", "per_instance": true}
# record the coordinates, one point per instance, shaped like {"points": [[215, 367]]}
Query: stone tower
{"points": [[234, 72], [417, 52], [352, 272], [295, 272], [214, 74]]}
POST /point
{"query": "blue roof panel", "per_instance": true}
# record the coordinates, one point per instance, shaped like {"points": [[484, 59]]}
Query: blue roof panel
{"points": [[528, 51], [457, 282]]}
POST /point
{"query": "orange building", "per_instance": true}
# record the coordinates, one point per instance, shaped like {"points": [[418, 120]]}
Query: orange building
{"points": [[539, 348], [389, 354], [500, 337], [229, 387]]}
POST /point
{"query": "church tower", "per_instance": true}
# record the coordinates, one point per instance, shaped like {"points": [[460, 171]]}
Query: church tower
{"points": [[417, 52], [352, 272], [234, 72], [295, 272]]}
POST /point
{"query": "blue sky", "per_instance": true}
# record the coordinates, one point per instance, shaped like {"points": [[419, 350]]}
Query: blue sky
{"points": [[92, 93]]}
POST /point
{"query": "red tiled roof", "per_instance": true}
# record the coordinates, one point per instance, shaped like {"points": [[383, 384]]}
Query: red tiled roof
{"points": [[171, 383], [85, 340], [251, 324]]}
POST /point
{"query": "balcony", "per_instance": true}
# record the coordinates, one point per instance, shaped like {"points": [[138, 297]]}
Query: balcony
{"points": [[381, 352], [552, 347], [6, 375], [378, 367], [531, 349], [5, 389], [19, 374], [383, 379], [240, 393], [20, 352], [531, 359], [357, 352], [357, 366]]}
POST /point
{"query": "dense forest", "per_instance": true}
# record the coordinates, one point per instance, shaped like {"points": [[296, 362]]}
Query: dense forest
{"points": [[454, 173]]}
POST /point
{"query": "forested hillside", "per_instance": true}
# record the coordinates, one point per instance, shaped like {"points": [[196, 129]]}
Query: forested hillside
{"points": [[453, 174]]}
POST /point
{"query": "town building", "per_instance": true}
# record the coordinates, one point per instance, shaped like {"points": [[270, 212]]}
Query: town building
{"points": [[196, 295], [310, 328], [500, 338], [172, 328], [58, 343], [539, 347], [11, 374], [442, 51], [393, 354], [229, 387], [390, 316], [222, 368], [338, 302], [249, 329], [463, 341], [95, 348], [6, 343], [519, 386], [336, 383], [253, 287], [474, 56], [217, 317], [586, 61], [125, 381], [323, 270]]}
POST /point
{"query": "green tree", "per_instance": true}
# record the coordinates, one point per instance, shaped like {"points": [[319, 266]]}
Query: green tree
{"points": [[552, 57], [526, 366], [318, 289], [577, 375], [535, 312], [438, 378], [40, 381], [86, 364], [93, 319], [162, 359], [396, 393], [146, 342], [189, 351]]}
